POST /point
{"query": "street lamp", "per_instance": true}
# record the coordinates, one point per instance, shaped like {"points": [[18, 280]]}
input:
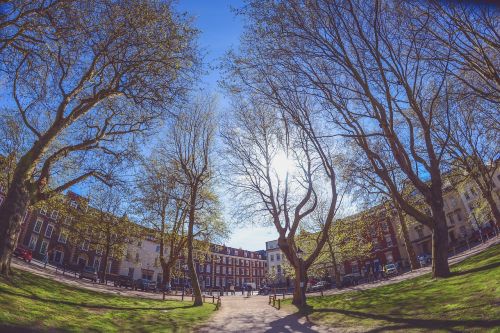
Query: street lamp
{"points": [[184, 268]]}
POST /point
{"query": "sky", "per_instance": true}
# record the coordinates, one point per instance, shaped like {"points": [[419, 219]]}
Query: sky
{"points": [[220, 30]]}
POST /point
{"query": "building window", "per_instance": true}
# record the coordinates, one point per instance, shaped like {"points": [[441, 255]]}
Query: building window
{"points": [[54, 215], [63, 237], [450, 218], [388, 257], [73, 204], [388, 240], [458, 213], [420, 231], [229, 271], [137, 258], [354, 267], [97, 263], [278, 257], [467, 196], [38, 225], [208, 268], [207, 281], [85, 246], [43, 211], [157, 248], [32, 243], [49, 230], [58, 256], [43, 247], [235, 252], [217, 269]]}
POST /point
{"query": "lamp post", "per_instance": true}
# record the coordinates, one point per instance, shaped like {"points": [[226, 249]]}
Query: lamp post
{"points": [[184, 268]]}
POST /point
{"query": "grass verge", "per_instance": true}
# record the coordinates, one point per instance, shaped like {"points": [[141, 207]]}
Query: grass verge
{"points": [[468, 301], [30, 303]]}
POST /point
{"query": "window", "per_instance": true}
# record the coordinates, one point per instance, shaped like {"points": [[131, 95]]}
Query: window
{"points": [[388, 240], [420, 231], [467, 196], [201, 268], [49, 230], [85, 246], [388, 257], [97, 263], [73, 204], [44, 246], [208, 268], [235, 252], [139, 243], [157, 248], [385, 227], [131, 272], [450, 218], [278, 257], [354, 267], [32, 243], [207, 281], [43, 211], [458, 213], [137, 258], [58, 256], [217, 269], [55, 214], [272, 257], [38, 225], [63, 236], [229, 271]]}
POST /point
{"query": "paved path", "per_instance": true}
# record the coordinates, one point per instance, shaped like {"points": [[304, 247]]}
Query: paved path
{"points": [[254, 315]]}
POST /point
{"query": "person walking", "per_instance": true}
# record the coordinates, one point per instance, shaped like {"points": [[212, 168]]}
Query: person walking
{"points": [[231, 289]]}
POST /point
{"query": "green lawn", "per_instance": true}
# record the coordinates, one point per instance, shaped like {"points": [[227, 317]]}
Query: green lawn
{"points": [[467, 301], [31, 303]]}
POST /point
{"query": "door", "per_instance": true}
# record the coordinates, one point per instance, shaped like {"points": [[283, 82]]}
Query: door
{"points": [[58, 256]]}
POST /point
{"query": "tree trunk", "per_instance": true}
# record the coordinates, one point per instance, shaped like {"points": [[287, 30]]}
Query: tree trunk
{"points": [[195, 284], [103, 272], [440, 267], [494, 208], [299, 293], [336, 272], [406, 237], [167, 275], [12, 212]]}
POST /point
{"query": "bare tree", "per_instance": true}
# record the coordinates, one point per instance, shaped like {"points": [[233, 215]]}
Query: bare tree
{"points": [[368, 69], [193, 135], [263, 145], [102, 74]]}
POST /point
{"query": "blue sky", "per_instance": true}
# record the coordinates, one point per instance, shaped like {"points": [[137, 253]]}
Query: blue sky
{"points": [[220, 31]]}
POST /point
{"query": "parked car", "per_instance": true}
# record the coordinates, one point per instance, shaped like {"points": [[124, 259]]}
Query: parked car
{"points": [[145, 285], [321, 285], [23, 253], [390, 269], [424, 259], [265, 290], [89, 273], [350, 280], [124, 281]]}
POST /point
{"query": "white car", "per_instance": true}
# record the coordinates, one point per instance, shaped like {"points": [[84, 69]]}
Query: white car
{"points": [[390, 269]]}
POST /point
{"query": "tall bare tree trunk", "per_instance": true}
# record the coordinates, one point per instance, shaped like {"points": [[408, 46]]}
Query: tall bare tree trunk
{"points": [[336, 272], [494, 208], [299, 293], [198, 300], [12, 212], [406, 237], [440, 267]]}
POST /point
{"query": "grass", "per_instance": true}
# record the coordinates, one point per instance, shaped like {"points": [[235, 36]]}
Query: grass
{"points": [[468, 301], [30, 303]]}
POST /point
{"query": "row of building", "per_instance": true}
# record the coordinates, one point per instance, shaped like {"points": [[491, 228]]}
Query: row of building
{"points": [[389, 245], [224, 266]]}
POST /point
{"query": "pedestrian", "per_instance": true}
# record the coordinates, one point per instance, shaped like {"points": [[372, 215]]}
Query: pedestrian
{"points": [[231, 289]]}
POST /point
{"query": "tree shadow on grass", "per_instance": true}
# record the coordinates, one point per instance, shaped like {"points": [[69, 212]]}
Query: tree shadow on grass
{"points": [[402, 323], [19, 329], [90, 306], [291, 323], [477, 269]]}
